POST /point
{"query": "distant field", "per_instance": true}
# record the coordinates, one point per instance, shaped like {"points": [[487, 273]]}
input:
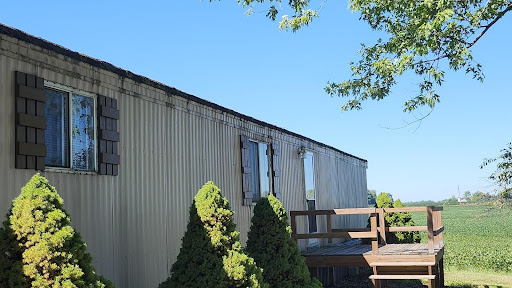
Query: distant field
{"points": [[476, 239]]}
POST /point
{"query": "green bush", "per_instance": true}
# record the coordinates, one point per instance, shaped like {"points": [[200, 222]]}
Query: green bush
{"points": [[273, 249], [211, 254], [38, 247], [385, 200]]}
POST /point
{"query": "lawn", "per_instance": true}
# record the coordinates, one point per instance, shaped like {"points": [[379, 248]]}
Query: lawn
{"points": [[478, 247]]}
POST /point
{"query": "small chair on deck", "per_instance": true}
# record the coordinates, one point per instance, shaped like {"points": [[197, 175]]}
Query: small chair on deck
{"points": [[389, 261]]}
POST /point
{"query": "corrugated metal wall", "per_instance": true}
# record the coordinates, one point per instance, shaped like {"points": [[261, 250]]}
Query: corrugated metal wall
{"points": [[169, 148]]}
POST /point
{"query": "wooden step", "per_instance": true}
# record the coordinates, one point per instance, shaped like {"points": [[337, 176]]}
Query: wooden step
{"points": [[400, 277], [397, 264]]}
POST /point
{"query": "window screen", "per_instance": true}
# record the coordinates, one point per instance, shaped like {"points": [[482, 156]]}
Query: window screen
{"points": [[57, 132], [264, 175], [83, 133], [255, 179]]}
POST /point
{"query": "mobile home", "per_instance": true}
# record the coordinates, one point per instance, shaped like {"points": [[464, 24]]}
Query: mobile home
{"points": [[127, 154]]}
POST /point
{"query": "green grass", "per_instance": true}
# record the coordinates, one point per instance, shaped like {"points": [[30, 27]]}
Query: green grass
{"points": [[478, 245], [472, 279]]}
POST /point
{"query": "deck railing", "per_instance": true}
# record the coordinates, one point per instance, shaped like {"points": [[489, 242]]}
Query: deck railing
{"points": [[434, 227]]}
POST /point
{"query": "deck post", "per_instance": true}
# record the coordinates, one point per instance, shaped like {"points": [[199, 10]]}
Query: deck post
{"points": [[430, 228], [375, 240], [440, 223], [331, 275], [293, 222], [431, 282], [329, 227], [382, 225], [436, 226], [376, 282], [441, 272]]}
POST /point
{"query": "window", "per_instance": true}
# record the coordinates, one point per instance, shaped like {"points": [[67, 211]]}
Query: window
{"points": [[310, 190], [64, 128], [260, 180], [70, 131], [260, 173]]}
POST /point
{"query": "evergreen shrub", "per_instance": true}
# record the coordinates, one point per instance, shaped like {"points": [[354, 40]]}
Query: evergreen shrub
{"points": [[385, 200], [38, 246], [211, 254], [270, 244]]}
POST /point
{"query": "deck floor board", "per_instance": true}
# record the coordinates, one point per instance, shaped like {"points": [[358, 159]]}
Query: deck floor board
{"points": [[364, 249]]}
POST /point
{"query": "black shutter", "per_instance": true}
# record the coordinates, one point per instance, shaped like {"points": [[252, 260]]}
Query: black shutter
{"points": [[30, 121], [275, 171], [108, 137], [246, 170]]}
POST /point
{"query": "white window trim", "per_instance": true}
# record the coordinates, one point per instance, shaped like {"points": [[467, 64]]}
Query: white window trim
{"points": [[70, 91]]}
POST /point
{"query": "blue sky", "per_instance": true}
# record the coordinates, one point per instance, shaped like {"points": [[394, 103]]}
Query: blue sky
{"points": [[214, 51]]}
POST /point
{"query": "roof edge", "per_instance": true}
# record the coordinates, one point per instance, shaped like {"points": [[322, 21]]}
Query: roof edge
{"points": [[23, 36]]}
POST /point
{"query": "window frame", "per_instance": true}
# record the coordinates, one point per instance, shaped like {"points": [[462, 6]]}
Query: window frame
{"points": [[312, 242], [70, 91], [269, 169]]}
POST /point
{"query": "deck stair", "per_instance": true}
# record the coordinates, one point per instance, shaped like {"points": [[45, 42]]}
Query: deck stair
{"points": [[398, 273]]}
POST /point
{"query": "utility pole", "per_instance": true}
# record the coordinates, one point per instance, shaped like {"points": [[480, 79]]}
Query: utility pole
{"points": [[458, 189]]}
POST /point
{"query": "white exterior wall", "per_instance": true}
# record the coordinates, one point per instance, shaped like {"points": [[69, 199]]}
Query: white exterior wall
{"points": [[169, 147]]}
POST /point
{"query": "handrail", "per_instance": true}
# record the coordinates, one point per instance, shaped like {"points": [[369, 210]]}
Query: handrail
{"points": [[412, 209], [434, 227], [406, 229], [348, 211], [345, 234]]}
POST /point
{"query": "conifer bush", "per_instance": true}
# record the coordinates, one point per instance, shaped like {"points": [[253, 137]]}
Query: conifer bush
{"points": [[38, 246], [385, 200], [270, 244], [211, 254], [402, 219]]}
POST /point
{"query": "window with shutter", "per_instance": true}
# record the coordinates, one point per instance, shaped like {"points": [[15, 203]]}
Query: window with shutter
{"points": [[61, 127], [257, 158]]}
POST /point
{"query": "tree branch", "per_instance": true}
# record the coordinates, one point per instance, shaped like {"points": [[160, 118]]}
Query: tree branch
{"points": [[488, 26], [417, 120], [431, 60]]}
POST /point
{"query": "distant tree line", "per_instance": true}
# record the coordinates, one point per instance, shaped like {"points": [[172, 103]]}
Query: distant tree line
{"points": [[478, 197]]}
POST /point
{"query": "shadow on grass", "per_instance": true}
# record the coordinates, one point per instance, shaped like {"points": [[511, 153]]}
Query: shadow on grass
{"points": [[463, 285], [361, 282]]}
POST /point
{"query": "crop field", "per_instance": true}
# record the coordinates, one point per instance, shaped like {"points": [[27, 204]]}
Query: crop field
{"points": [[476, 238]]}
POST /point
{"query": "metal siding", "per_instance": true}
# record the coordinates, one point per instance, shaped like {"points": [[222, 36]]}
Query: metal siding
{"points": [[169, 147], [292, 183]]}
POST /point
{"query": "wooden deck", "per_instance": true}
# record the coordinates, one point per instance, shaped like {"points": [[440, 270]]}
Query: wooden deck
{"points": [[361, 255], [389, 261]]}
